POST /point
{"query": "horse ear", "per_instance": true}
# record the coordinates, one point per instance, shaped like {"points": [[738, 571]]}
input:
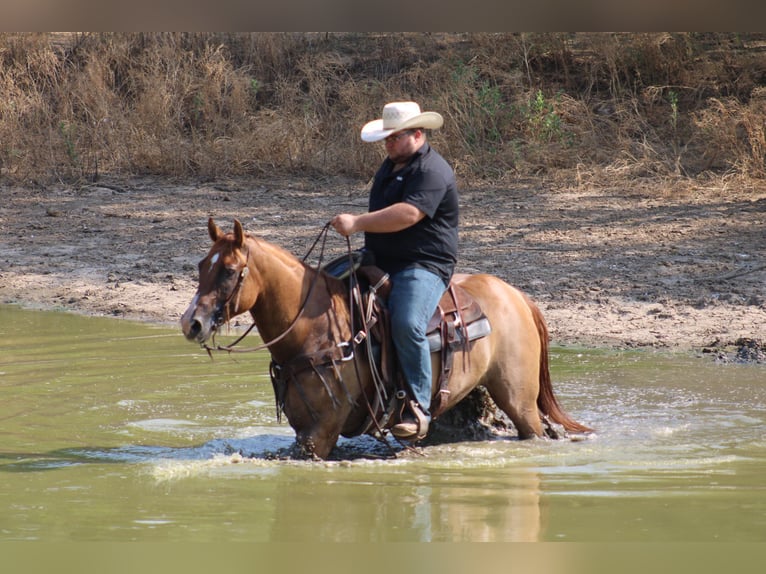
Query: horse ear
{"points": [[239, 234], [213, 230]]}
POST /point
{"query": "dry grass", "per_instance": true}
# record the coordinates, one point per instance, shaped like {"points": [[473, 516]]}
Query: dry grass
{"points": [[210, 105]]}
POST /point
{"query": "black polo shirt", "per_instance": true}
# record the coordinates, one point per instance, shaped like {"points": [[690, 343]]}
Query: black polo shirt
{"points": [[428, 183]]}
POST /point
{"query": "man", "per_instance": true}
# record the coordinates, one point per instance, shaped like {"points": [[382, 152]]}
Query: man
{"points": [[412, 229]]}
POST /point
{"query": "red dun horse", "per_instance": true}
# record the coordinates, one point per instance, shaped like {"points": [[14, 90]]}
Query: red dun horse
{"points": [[303, 316]]}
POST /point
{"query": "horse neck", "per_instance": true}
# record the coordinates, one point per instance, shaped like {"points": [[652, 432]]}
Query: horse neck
{"points": [[288, 287]]}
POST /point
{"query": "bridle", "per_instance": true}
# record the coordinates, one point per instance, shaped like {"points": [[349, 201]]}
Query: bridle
{"points": [[237, 287], [235, 292]]}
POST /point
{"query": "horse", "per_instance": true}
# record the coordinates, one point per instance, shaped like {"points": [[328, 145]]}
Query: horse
{"points": [[304, 318]]}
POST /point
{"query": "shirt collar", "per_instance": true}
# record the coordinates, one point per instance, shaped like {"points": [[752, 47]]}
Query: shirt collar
{"points": [[420, 152]]}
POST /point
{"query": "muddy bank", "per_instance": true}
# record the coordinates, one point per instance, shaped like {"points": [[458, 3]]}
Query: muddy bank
{"points": [[677, 268]]}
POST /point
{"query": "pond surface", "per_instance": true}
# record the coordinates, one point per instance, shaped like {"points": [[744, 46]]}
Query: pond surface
{"points": [[115, 431]]}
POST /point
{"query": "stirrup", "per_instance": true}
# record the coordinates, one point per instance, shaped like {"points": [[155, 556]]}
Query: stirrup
{"points": [[412, 430]]}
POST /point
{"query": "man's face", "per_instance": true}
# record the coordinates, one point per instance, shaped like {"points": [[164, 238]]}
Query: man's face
{"points": [[401, 145]]}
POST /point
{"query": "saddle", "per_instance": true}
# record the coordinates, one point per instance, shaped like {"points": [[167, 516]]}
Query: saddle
{"points": [[457, 321]]}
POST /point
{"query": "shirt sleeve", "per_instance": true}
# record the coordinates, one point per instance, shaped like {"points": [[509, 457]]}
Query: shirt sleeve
{"points": [[425, 190]]}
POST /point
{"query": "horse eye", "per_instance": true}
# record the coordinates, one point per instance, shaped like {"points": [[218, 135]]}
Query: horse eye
{"points": [[229, 272]]}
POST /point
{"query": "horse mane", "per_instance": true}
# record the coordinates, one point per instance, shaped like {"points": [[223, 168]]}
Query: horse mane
{"points": [[335, 287], [546, 400], [278, 251]]}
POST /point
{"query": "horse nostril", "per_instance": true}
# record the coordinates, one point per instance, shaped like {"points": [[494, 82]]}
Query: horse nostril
{"points": [[194, 330]]}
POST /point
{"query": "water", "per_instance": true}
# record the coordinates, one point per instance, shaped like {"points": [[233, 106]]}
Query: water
{"points": [[120, 431]]}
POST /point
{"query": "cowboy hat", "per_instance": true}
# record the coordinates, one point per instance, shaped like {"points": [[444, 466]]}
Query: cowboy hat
{"points": [[398, 116]]}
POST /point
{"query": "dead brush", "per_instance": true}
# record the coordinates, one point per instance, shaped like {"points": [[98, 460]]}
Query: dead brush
{"points": [[209, 105], [737, 134]]}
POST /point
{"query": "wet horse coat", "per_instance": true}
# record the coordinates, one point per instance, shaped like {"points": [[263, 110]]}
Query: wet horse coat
{"points": [[303, 315]]}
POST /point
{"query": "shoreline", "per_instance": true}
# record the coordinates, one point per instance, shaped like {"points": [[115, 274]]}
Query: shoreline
{"points": [[608, 268]]}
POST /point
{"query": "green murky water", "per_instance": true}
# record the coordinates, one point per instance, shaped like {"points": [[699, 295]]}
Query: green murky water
{"points": [[116, 431]]}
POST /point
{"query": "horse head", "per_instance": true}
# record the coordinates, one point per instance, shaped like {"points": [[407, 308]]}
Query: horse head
{"points": [[226, 286]]}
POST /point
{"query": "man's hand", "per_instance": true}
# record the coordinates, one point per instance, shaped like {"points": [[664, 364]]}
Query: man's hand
{"points": [[345, 224]]}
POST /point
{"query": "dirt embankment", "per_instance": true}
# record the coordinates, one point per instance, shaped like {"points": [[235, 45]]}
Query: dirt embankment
{"points": [[677, 268]]}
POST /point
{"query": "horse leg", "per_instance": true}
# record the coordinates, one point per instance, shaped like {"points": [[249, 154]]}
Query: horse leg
{"points": [[315, 442], [315, 433], [512, 393], [316, 420]]}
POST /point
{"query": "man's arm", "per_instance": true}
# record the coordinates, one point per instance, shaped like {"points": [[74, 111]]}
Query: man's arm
{"points": [[391, 219]]}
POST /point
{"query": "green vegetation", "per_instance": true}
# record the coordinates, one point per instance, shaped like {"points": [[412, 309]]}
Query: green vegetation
{"points": [[74, 107]]}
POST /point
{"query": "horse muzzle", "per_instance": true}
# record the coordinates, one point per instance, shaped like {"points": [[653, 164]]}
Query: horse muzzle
{"points": [[194, 331], [198, 325]]}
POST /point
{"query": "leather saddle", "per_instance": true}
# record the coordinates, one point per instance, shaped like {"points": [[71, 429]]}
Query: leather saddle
{"points": [[457, 321]]}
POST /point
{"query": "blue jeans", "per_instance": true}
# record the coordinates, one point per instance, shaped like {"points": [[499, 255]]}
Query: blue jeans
{"points": [[414, 296]]}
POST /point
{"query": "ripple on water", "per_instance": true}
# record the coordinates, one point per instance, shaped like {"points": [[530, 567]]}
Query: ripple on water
{"points": [[163, 425]]}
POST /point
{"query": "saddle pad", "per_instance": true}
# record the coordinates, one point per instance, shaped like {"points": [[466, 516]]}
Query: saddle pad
{"points": [[476, 330]]}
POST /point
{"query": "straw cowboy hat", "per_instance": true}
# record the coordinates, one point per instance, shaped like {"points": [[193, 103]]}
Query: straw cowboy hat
{"points": [[398, 116]]}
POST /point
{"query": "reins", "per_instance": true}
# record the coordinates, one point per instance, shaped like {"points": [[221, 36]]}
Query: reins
{"points": [[377, 381], [355, 301]]}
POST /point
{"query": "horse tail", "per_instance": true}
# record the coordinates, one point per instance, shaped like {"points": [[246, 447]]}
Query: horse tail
{"points": [[546, 400]]}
